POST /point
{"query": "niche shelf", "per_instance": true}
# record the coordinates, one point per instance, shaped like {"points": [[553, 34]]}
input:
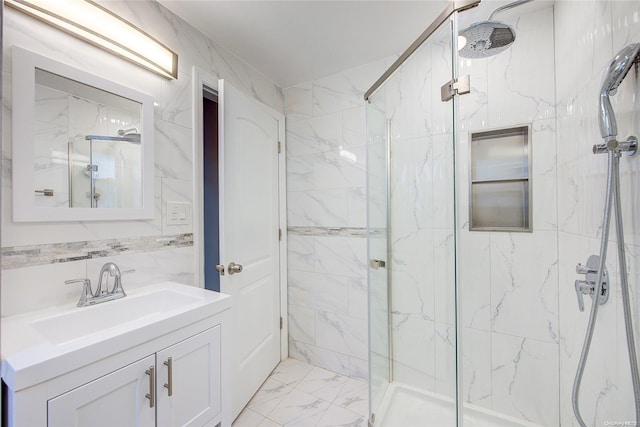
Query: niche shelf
{"points": [[500, 180]]}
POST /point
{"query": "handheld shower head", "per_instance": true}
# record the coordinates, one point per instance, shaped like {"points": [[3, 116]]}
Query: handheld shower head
{"points": [[619, 68], [617, 71]]}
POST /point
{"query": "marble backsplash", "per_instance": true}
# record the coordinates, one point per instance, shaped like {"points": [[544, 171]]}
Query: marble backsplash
{"points": [[55, 253]]}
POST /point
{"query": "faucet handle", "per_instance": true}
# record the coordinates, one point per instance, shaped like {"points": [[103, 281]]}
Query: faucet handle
{"points": [[87, 292], [85, 281], [123, 272]]}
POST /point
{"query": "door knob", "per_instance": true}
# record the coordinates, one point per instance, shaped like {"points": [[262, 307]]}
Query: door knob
{"points": [[220, 269], [234, 268]]}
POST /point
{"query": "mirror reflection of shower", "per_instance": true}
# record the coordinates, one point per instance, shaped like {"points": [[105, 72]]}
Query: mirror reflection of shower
{"points": [[66, 111], [105, 170]]}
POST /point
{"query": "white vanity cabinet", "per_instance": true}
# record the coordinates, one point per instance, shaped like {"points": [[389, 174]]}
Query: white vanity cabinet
{"points": [[123, 398], [117, 399], [165, 373], [195, 381]]}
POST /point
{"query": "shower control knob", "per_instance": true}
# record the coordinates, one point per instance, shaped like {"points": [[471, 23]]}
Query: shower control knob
{"points": [[583, 269], [589, 285], [582, 287]]}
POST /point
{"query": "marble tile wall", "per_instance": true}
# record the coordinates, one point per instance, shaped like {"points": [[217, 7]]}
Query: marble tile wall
{"points": [[588, 36], [511, 359], [173, 154], [326, 178], [518, 304]]}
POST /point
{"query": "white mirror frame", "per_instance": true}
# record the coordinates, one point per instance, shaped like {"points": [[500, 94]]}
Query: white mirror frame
{"points": [[24, 209]]}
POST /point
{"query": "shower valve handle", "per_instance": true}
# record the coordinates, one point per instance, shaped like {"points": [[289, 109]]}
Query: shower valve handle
{"points": [[589, 285], [582, 287], [583, 269]]}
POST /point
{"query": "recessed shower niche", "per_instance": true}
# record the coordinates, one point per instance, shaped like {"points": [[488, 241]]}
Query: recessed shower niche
{"points": [[500, 184]]}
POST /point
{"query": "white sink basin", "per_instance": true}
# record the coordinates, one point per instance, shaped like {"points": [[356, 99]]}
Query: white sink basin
{"points": [[81, 322], [41, 345]]}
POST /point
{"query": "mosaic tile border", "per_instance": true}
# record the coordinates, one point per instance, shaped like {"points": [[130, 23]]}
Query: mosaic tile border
{"points": [[328, 231], [54, 253]]}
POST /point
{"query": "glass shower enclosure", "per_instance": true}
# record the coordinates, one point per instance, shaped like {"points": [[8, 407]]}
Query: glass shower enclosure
{"points": [[479, 209]]}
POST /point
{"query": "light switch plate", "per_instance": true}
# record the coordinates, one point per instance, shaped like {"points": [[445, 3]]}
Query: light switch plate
{"points": [[178, 213]]}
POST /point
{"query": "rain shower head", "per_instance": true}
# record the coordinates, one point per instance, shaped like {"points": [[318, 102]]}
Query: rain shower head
{"points": [[488, 38], [615, 74]]}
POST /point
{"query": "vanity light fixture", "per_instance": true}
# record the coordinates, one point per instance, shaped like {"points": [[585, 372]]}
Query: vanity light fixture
{"points": [[104, 29]]}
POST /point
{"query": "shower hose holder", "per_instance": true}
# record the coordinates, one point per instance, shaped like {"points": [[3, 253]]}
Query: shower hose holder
{"points": [[628, 146]]}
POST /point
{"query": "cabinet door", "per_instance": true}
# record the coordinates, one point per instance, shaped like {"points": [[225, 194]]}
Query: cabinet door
{"points": [[195, 381], [117, 399]]}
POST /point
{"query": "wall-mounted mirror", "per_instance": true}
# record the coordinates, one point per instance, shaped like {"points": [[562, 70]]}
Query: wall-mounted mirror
{"points": [[82, 145]]}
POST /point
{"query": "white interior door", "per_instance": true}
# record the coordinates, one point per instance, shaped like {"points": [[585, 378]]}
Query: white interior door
{"points": [[249, 226]]}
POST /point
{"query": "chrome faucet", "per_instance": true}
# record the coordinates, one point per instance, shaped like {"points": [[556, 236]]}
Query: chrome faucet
{"points": [[102, 293], [109, 269]]}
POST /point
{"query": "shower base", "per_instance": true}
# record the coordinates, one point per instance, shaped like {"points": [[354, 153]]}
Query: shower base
{"points": [[407, 406]]}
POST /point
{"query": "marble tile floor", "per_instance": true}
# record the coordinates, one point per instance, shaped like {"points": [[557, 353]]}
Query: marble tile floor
{"points": [[297, 394]]}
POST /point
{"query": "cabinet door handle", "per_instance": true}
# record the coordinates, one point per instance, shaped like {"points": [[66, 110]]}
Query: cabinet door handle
{"points": [[152, 386], [169, 384]]}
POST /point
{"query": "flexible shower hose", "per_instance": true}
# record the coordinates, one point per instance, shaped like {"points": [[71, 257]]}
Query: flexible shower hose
{"points": [[612, 195]]}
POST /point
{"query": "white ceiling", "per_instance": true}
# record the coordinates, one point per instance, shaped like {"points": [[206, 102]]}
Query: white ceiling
{"points": [[296, 41]]}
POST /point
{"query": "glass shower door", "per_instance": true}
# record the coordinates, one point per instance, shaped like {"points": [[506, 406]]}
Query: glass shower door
{"points": [[105, 172], [377, 209], [412, 229]]}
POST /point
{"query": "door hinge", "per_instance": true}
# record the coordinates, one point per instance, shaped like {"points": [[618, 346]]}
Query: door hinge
{"points": [[279, 147], [280, 234], [455, 87], [281, 322]]}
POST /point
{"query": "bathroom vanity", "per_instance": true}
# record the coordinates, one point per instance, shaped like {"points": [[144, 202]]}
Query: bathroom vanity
{"points": [[155, 358]]}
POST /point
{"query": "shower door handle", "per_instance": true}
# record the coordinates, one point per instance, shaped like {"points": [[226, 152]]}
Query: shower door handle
{"points": [[377, 264]]}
